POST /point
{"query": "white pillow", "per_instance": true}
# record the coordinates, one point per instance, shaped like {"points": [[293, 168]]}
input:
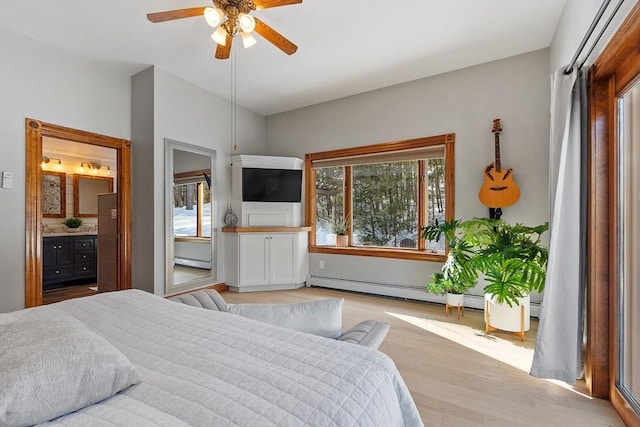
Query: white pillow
{"points": [[322, 317], [51, 365]]}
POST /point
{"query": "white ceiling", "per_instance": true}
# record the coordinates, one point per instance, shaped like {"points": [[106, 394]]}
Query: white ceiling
{"points": [[74, 153], [345, 47]]}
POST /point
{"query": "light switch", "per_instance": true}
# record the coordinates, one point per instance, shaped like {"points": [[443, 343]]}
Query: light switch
{"points": [[114, 213], [7, 180]]}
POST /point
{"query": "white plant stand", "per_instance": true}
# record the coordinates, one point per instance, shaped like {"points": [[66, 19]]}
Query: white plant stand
{"points": [[455, 301], [515, 319]]}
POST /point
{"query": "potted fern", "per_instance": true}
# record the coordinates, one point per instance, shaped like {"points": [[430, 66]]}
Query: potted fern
{"points": [[513, 261], [72, 223], [458, 274], [511, 258]]}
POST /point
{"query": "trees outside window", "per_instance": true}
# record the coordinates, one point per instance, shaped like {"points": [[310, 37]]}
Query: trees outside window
{"points": [[385, 193], [192, 209]]}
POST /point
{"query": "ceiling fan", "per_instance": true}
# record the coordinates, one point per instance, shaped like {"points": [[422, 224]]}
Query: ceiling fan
{"points": [[232, 17]]}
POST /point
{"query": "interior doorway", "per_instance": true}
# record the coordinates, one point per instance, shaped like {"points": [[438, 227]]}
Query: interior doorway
{"points": [[35, 205]]}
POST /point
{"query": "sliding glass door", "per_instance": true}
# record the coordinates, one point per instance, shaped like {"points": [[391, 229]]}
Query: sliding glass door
{"points": [[612, 368], [628, 283]]}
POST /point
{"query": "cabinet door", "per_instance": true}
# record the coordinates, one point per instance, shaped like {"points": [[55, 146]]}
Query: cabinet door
{"points": [[64, 250], [254, 259], [49, 247], [284, 252], [85, 243]]}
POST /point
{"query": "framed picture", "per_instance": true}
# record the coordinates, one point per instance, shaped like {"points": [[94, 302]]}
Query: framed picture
{"points": [[53, 194]]}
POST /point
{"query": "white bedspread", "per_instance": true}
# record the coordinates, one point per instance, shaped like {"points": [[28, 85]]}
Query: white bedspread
{"points": [[209, 368]]}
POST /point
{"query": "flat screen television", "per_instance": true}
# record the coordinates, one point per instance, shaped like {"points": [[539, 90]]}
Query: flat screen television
{"points": [[271, 185]]}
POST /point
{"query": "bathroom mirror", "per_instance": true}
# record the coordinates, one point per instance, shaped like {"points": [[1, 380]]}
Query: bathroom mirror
{"points": [[190, 238], [85, 193]]}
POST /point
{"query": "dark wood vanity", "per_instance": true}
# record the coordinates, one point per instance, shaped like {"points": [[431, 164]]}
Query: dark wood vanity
{"points": [[68, 260]]}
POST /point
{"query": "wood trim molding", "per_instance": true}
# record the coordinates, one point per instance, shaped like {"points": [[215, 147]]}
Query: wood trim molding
{"points": [[264, 229], [310, 214], [33, 213], [395, 253], [450, 176], [347, 188], [383, 147], [76, 192], [421, 253], [422, 195], [124, 219], [35, 130], [614, 72], [191, 174], [598, 219]]}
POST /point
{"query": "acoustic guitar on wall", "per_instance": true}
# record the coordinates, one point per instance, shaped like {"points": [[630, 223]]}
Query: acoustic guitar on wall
{"points": [[499, 190]]}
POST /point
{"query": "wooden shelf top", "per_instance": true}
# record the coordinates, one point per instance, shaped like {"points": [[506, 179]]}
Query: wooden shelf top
{"points": [[264, 229]]}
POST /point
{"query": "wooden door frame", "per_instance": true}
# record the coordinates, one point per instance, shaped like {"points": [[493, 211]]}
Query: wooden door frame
{"points": [[613, 73], [34, 132]]}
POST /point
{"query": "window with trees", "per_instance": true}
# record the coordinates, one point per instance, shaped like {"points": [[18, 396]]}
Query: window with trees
{"points": [[381, 196], [191, 205]]}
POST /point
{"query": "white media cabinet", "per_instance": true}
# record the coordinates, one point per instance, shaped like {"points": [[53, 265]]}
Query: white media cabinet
{"points": [[266, 258], [268, 249]]}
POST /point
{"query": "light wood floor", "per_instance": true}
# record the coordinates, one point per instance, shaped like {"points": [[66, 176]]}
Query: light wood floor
{"points": [[457, 375]]}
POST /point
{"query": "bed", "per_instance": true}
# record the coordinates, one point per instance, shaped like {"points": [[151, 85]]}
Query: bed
{"points": [[190, 366]]}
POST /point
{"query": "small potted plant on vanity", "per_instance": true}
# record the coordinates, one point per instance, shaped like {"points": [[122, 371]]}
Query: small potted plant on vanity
{"points": [[73, 224], [458, 274], [341, 230]]}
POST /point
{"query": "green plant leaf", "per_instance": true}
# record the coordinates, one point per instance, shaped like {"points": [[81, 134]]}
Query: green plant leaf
{"points": [[511, 256]]}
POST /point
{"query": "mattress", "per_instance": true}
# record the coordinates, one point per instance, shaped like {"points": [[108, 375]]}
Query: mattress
{"points": [[210, 368]]}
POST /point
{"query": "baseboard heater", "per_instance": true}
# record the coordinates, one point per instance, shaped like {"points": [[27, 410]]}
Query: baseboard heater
{"points": [[195, 263], [399, 291]]}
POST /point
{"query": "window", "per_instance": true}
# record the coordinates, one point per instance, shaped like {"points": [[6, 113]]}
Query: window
{"points": [[191, 206], [613, 241], [383, 194], [628, 375]]}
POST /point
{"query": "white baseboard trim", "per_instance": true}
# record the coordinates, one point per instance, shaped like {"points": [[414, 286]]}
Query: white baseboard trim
{"points": [[399, 291], [190, 262], [265, 287]]}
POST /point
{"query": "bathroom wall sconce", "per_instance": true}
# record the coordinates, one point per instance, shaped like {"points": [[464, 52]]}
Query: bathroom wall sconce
{"points": [[94, 167], [46, 160]]}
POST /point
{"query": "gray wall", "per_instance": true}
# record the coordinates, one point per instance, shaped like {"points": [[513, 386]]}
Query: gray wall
{"points": [[40, 82], [465, 102], [182, 112], [143, 238], [186, 161], [43, 83]]}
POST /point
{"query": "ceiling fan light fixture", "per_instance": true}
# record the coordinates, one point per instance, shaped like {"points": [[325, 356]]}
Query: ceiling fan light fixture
{"points": [[213, 16], [247, 39], [247, 22], [220, 36]]}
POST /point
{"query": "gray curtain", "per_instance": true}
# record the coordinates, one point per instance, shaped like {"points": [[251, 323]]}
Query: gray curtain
{"points": [[558, 345]]}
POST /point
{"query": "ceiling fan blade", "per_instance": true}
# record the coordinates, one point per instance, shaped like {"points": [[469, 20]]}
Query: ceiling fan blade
{"points": [[170, 15], [265, 4], [277, 39], [222, 52]]}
